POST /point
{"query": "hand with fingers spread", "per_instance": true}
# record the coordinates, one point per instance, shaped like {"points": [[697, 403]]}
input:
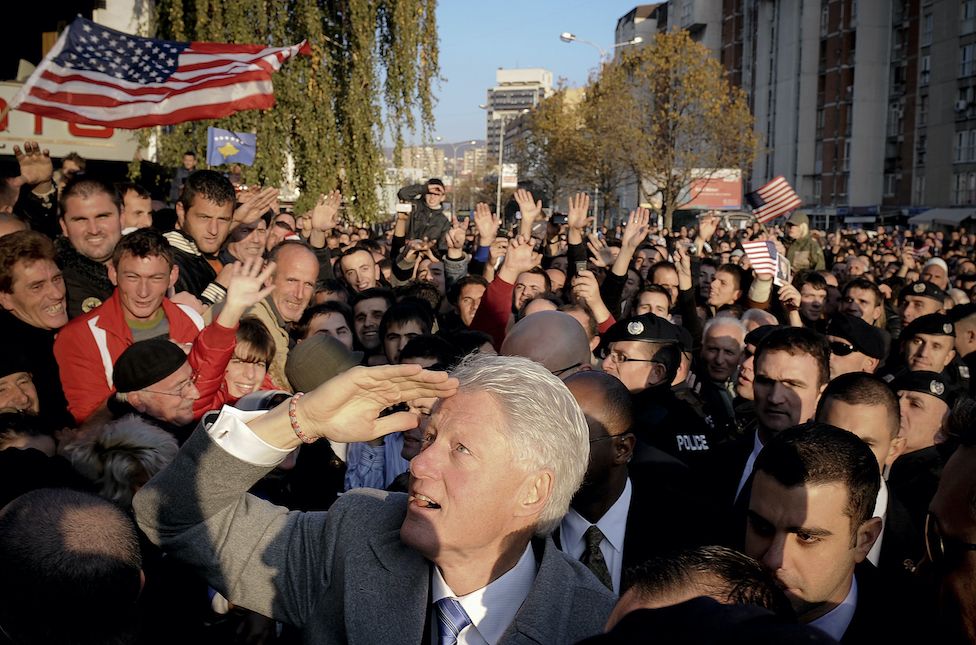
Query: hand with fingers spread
{"points": [[519, 258], [246, 289], [325, 216], [636, 229], [347, 407], [707, 226], [577, 218], [531, 210], [36, 168], [602, 256], [486, 223], [254, 204]]}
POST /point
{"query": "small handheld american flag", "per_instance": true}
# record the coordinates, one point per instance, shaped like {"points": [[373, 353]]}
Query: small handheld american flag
{"points": [[99, 76], [763, 256], [772, 200]]}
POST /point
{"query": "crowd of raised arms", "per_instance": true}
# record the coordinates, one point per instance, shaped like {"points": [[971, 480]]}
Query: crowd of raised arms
{"points": [[225, 422]]}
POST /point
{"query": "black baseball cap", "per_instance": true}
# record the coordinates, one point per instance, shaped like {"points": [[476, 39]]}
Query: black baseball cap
{"points": [[863, 336]]}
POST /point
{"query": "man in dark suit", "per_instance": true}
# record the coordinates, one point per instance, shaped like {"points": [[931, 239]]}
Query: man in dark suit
{"points": [[951, 533], [790, 371], [483, 498], [615, 519], [811, 524], [865, 405]]}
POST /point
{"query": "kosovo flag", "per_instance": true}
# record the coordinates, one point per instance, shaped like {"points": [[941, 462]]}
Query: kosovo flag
{"points": [[224, 147]]}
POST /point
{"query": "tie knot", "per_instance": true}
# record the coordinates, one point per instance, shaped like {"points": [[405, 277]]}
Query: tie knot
{"points": [[593, 537], [452, 619]]}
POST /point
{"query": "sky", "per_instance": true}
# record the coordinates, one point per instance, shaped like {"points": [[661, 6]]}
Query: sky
{"points": [[476, 38]]}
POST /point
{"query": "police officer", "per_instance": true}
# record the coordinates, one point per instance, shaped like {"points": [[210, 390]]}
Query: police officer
{"points": [[644, 352], [928, 344], [919, 299], [925, 399]]}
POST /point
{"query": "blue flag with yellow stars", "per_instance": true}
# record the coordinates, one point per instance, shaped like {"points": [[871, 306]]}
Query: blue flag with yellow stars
{"points": [[224, 147]]}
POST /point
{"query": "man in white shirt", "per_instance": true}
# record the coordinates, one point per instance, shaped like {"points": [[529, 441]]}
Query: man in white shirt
{"points": [[479, 494], [865, 405], [811, 524], [599, 529]]}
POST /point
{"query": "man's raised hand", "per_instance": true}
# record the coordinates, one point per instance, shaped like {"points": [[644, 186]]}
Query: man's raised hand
{"points": [[36, 168], [254, 204], [486, 223]]}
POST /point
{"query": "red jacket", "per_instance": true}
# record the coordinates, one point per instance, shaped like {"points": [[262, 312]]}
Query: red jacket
{"points": [[88, 346], [494, 311]]}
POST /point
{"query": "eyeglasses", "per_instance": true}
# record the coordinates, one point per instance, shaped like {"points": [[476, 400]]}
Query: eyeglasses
{"points": [[182, 390], [565, 369], [608, 436], [943, 550], [619, 358], [841, 349]]}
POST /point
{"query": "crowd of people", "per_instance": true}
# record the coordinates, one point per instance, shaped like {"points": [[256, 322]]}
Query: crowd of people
{"points": [[240, 424]]}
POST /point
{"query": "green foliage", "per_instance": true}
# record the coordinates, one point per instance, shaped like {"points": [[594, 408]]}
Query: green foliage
{"points": [[366, 55]]}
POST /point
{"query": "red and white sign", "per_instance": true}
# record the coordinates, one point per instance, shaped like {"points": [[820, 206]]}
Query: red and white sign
{"points": [[89, 141], [716, 190]]}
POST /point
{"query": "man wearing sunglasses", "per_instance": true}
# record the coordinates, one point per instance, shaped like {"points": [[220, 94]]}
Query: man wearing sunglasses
{"points": [[950, 539], [855, 345], [644, 353]]}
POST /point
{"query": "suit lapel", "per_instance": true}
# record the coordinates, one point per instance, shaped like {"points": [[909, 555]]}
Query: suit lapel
{"points": [[541, 617], [388, 580]]}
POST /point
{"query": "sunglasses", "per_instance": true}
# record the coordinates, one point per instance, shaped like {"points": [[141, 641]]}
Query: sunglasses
{"points": [[841, 349], [943, 551]]}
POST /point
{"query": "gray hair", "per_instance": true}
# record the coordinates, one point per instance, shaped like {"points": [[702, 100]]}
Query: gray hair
{"points": [[122, 455], [725, 321], [544, 423]]}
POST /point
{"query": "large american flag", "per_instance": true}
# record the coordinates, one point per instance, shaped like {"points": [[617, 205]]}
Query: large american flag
{"points": [[763, 256], [99, 76], [772, 200]]}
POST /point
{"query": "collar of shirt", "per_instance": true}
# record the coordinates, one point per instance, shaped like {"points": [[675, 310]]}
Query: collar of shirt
{"points": [[492, 608], [880, 510], [836, 621], [613, 525], [750, 462]]}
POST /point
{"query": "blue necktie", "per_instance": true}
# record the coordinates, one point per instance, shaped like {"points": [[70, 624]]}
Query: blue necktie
{"points": [[451, 619]]}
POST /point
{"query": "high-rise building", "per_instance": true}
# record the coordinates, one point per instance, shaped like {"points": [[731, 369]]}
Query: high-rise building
{"points": [[429, 160], [515, 90], [867, 108], [644, 20], [475, 162], [702, 19]]}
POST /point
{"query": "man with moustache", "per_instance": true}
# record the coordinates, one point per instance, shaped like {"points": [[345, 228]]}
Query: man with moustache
{"points": [[455, 560], [32, 295]]}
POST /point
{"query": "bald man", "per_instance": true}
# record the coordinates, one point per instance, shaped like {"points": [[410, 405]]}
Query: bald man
{"points": [[599, 529], [552, 338]]}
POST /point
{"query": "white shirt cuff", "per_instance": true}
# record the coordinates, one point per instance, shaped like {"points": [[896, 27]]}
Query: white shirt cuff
{"points": [[231, 433]]}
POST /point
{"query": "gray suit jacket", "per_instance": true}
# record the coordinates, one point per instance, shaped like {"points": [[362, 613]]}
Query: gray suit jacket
{"points": [[342, 576]]}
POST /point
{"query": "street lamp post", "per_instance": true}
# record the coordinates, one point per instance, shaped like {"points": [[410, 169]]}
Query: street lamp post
{"points": [[503, 121]]}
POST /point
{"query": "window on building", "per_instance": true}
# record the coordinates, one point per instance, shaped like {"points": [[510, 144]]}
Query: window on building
{"points": [[919, 190], [824, 18], [959, 148], [890, 184], [820, 122], [923, 110], [817, 188], [894, 119], [927, 24], [967, 60], [971, 146], [968, 16], [841, 183], [924, 67], [845, 159]]}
